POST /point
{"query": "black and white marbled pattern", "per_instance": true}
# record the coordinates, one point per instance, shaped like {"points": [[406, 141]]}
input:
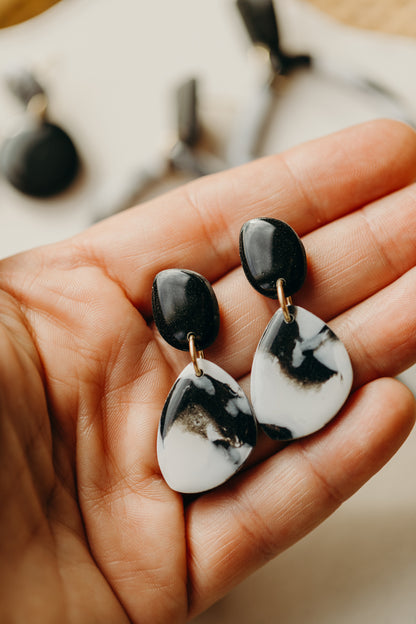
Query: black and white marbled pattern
{"points": [[207, 430], [301, 375]]}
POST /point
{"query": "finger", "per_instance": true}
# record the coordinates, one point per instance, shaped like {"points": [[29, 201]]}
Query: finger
{"points": [[357, 255], [264, 511], [380, 333], [197, 226]]}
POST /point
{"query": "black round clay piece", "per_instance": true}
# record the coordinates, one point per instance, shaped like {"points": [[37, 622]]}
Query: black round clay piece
{"points": [[184, 303], [270, 249], [41, 160]]}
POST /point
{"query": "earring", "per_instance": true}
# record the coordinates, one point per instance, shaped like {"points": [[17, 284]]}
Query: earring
{"points": [[301, 373], [39, 160], [207, 428]]}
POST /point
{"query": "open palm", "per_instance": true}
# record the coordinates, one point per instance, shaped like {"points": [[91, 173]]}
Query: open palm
{"points": [[89, 530]]}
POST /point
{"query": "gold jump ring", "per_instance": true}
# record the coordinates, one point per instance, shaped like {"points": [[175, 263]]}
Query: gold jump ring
{"points": [[283, 300], [195, 354]]}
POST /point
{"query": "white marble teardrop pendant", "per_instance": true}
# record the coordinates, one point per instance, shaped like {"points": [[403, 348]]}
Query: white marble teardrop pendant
{"points": [[301, 375], [207, 429]]}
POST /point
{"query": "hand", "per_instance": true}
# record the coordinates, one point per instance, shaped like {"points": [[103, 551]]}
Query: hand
{"points": [[89, 530]]}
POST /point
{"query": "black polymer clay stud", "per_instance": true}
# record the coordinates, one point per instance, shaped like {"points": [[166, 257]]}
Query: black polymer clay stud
{"points": [[301, 373], [207, 429]]}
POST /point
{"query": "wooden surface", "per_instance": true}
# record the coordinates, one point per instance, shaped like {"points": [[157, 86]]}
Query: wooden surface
{"points": [[15, 11], [390, 16]]}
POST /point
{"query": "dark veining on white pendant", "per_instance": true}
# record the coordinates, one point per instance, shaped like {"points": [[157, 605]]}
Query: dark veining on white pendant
{"points": [[296, 355], [207, 430], [301, 375], [277, 433], [205, 406]]}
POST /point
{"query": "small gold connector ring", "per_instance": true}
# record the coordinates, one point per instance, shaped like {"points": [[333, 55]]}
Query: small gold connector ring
{"points": [[283, 300], [195, 354]]}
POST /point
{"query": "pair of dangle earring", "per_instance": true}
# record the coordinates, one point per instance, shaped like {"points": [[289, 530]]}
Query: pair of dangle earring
{"points": [[207, 429], [301, 373]]}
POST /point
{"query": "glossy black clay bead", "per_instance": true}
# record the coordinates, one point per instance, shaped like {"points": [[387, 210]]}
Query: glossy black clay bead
{"points": [[41, 160], [184, 303], [271, 250]]}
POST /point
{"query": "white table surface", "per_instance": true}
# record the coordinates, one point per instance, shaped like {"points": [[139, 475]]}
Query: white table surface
{"points": [[110, 69]]}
